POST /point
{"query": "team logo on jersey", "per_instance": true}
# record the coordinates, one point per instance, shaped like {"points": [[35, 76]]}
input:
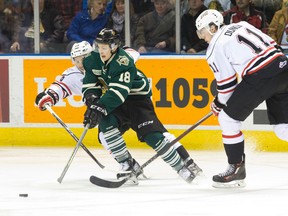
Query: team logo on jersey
{"points": [[282, 64], [103, 83], [123, 60]]}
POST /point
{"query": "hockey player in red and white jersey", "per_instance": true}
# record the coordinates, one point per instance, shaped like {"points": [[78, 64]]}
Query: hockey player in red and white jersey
{"points": [[249, 68], [71, 82]]}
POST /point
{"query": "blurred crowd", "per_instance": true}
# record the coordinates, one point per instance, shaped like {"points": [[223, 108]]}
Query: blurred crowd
{"points": [[152, 23]]}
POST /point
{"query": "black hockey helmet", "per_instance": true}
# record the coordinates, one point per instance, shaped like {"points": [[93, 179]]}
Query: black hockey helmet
{"points": [[108, 36]]}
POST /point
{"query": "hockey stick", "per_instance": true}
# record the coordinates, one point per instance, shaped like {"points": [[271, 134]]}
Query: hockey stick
{"points": [[73, 154], [73, 135], [115, 184]]}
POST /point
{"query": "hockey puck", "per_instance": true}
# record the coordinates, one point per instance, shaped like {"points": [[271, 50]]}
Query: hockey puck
{"points": [[23, 195]]}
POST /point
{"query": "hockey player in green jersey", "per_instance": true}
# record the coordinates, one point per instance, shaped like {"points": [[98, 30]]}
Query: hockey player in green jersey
{"points": [[117, 96]]}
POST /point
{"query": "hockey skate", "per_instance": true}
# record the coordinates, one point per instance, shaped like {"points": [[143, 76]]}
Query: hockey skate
{"points": [[195, 169], [186, 174], [233, 177], [135, 170]]}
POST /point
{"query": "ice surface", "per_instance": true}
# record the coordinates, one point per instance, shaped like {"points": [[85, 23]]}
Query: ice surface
{"points": [[35, 171]]}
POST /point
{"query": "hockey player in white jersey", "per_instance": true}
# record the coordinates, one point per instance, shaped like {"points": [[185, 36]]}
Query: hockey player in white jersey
{"points": [[237, 52], [71, 82]]}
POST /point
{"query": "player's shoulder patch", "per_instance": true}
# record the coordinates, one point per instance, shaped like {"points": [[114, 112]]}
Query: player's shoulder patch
{"points": [[123, 60], [97, 72]]}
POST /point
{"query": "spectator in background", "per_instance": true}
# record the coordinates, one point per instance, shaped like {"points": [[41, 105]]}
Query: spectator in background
{"points": [[268, 7], [88, 23], [156, 30], [142, 7], [190, 41], [220, 5], [184, 7], [245, 11], [216, 5], [233, 4], [278, 28], [51, 30], [10, 22], [117, 20], [68, 9]]}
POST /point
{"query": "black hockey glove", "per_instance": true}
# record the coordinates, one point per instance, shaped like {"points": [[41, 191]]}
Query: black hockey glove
{"points": [[48, 97], [90, 99], [216, 106], [93, 114]]}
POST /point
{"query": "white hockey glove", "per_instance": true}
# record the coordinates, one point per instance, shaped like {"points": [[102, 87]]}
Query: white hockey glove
{"points": [[48, 97], [216, 106]]}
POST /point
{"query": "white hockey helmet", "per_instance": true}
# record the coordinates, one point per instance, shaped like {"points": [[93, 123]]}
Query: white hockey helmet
{"points": [[81, 48], [207, 18]]}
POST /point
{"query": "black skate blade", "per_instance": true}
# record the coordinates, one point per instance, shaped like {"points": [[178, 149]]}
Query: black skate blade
{"points": [[123, 174], [106, 183]]}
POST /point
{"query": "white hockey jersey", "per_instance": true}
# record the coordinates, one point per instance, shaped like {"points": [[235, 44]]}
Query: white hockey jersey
{"points": [[238, 48], [69, 83]]}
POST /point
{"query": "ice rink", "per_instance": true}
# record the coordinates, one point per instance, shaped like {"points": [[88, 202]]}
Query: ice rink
{"points": [[35, 171]]}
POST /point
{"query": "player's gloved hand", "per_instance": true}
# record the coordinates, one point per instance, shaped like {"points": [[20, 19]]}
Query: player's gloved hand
{"points": [[93, 114], [90, 99], [48, 97], [216, 106]]}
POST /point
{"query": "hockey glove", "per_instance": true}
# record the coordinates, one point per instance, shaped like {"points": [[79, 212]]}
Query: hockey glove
{"points": [[216, 106], [90, 99], [93, 115], [48, 97]]}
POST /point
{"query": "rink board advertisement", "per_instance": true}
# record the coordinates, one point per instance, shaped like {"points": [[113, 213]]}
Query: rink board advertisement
{"points": [[182, 90], [4, 91]]}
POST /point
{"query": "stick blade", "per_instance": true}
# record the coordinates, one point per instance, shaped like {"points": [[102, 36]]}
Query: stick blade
{"points": [[59, 180], [106, 183]]}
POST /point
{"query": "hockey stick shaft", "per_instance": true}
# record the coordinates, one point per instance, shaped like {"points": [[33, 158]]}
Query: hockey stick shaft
{"points": [[178, 138], [73, 154], [73, 135]]}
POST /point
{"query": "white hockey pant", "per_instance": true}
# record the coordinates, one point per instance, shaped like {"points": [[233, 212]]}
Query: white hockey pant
{"points": [[230, 129]]}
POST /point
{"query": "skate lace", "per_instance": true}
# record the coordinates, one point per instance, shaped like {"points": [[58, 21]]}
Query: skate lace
{"points": [[194, 168], [230, 170]]}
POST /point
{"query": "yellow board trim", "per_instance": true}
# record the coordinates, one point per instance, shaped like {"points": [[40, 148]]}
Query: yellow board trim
{"points": [[196, 140]]}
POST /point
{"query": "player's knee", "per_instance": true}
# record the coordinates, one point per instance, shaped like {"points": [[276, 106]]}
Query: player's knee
{"points": [[281, 131], [171, 138], [108, 123], [154, 139], [227, 124]]}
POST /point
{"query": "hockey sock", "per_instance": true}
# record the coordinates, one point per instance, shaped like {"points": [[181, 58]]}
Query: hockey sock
{"points": [[234, 152], [158, 142], [116, 145], [184, 155]]}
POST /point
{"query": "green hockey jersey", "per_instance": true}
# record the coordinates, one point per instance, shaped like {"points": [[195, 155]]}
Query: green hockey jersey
{"points": [[114, 80]]}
